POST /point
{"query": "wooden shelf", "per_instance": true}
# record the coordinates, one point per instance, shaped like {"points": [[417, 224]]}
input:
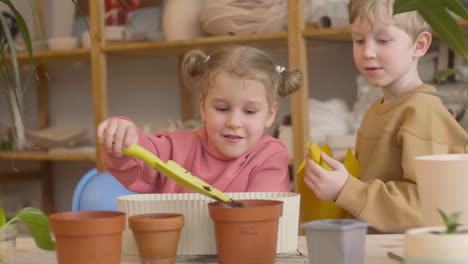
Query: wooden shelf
{"points": [[179, 47], [329, 34], [40, 155], [55, 56]]}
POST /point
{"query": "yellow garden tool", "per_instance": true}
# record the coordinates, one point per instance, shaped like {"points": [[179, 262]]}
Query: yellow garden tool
{"points": [[179, 174], [312, 208]]}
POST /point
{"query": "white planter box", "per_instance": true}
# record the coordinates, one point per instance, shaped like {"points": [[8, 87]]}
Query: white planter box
{"points": [[197, 237]]}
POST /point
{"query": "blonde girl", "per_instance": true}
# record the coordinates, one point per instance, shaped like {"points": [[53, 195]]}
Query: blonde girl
{"points": [[238, 90]]}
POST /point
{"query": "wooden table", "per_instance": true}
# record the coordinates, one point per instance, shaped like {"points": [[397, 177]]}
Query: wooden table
{"points": [[377, 247]]}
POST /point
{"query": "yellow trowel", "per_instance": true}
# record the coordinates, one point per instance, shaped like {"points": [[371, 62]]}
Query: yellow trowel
{"points": [[179, 174]]}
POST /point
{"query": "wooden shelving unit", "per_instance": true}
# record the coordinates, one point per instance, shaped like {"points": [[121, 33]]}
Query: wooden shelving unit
{"points": [[46, 156], [294, 40]]}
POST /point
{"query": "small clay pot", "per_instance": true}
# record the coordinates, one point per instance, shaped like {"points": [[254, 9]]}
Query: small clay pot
{"points": [[85, 237], [157, 236], [248, 234]]}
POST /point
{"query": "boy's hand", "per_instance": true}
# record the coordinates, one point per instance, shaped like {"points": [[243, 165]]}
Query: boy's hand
{"points": [[325, 184], [117, 134]]}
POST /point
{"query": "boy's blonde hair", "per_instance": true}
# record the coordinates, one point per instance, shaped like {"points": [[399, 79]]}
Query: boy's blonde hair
{"points": [[411, 22], [199, 70]]}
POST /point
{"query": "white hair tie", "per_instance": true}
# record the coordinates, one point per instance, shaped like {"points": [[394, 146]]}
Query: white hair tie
{"points": [[206, 59], [280, 69]]}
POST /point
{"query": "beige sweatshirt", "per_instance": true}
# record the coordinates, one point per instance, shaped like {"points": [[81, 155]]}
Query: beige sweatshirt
{"points": [[389, 138]]}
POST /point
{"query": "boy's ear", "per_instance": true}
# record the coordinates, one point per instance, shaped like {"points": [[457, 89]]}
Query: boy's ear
{"points": [[422, 44]]}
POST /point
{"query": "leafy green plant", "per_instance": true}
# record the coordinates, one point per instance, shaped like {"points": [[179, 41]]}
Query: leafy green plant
{"points": [[439, 15], [450, 221], [37, 223], [10, 79]]}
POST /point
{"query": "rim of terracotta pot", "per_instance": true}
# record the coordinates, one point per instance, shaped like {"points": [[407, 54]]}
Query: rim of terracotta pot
{"points": [[253, 210], [82, 223], [156, 221]]}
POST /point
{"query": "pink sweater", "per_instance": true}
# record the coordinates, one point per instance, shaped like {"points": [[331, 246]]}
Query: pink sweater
{"points": [[264, 168]]}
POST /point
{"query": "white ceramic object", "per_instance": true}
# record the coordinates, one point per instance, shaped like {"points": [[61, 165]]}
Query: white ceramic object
{"points": [[442, 183], [423, 247], [62, 43], [197, 237], [85, 40], [60, 17], [181, 19], [115, 32]]}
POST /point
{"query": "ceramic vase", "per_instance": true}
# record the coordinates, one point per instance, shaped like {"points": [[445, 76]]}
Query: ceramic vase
{"points": [[335, 241], [85, 237], [427, 245], [60, 18], [157, 236], [248, 234], [442, 184], [181, 19]]}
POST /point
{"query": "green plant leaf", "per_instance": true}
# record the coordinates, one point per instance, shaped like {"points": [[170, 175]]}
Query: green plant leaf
{"points": [[14, 61], [2, 217], [402, 6], [22, 26], [38, 225], [444, 74], [456, 7], [441, 21], [445, 26], [81, 12]]}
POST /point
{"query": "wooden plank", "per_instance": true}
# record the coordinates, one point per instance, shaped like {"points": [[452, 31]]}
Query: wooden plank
{"points": [[54, 56], [42, 155], [329, 34], [20, 176], [298, 60], [99, 69], [179, 47], [47, 190], [45, 172], [42, 92], [186, 107]]}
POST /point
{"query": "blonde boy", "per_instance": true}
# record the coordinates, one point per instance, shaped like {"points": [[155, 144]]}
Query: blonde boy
{"points": [[406, 122]]}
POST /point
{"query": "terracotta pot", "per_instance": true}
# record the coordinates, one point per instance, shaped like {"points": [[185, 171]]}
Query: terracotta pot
{"points": [[157, 236], [85, 237], [248, 234]]}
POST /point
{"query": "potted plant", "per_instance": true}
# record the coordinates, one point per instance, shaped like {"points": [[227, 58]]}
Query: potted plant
{"points": [[442, 244], [37, 223], [10, 76]]}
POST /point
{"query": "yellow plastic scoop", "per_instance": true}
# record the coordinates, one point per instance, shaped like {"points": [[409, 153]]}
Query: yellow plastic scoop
{"points": [[179, 174]]}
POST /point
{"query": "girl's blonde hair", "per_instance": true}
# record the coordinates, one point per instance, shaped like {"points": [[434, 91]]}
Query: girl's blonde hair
{"points": [[410, 22], [199, 70]]}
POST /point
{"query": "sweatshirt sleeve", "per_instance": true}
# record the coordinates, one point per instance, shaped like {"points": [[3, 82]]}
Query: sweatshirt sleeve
{"points": [[135, 174], [272, 175], [391, 207]]}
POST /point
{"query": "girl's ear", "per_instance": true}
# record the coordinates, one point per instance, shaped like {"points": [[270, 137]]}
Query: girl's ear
{"points": [[271, 114], [422, 44], [202, 108]]}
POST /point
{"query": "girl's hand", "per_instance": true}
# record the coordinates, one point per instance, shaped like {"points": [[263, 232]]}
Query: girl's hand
{"points": [[117, 134], [325, 184]]}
